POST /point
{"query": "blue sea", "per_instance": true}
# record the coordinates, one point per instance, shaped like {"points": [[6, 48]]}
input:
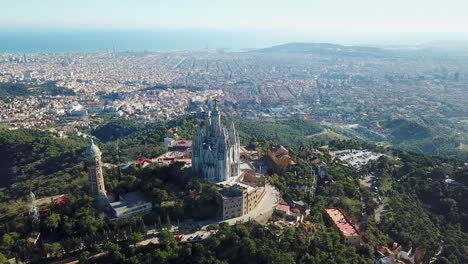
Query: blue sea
{"points": [[161, 40], [94, 41]]}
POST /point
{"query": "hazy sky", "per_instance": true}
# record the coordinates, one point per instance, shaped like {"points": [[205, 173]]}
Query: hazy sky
{"points": [[302, 16]]}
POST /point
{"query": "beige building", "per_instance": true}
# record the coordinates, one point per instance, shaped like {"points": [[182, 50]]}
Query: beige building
{"points": [[240, 199], [252, 197], [280, 158]]}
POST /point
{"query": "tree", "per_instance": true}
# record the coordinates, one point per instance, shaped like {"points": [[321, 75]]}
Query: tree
{"points": [[249, 247], [53, 249], [111, 247], [167, 241], [158, 221], [68, 225], [134, 238], [75, 244], [87, 222], [52, 221], [350, 206], [279, 214], [3, 259], [212, 227], [84, 257], [8, 240], [168, 220]]}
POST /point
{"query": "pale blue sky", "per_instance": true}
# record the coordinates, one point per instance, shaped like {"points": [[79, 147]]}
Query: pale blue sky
{"points": [[300, 16]]}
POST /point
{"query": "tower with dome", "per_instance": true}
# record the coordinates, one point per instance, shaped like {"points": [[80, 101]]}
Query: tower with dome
{"points": [[95, 177]]}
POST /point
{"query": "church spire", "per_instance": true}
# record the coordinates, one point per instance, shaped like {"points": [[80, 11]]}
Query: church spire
{"points": [[198, 137], [215, 120], [233, 127]]}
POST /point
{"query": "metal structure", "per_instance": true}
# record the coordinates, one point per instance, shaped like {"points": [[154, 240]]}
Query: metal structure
{"points": [[314, 177], [33, 211]]}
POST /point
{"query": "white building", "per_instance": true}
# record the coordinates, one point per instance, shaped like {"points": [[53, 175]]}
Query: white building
{"points": [[130, 204]]}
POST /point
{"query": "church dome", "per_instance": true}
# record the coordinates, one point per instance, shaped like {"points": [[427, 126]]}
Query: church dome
{"points": [[92, 150]]}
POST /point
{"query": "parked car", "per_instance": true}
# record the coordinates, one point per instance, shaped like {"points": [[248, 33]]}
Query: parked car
{"points": [[205, 235]]}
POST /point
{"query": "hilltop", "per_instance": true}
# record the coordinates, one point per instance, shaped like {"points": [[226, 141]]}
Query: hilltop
{"points": [[417, 192], [22, 89], [325, 49], [405, 130], [419, 136]]}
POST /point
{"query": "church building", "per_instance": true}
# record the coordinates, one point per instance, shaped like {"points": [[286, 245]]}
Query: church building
{"points": [[216, 153]]}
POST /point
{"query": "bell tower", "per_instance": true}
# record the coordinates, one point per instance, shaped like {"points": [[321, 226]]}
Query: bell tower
{"points": [[95, 178]]}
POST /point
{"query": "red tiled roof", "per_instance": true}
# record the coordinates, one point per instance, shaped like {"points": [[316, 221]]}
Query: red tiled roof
{"points": [[142, 161], [172, 156], [59, 201], [182, 143], [283, 207], [345, 227]]}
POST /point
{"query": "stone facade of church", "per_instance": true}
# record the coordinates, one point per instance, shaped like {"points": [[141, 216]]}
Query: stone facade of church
{"points": [[216, 153]]}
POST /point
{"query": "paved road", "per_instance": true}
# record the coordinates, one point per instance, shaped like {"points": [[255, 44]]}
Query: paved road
{"points": [[46, 200], [195, 236], [370, 181], [264, 208], [379, 213]]}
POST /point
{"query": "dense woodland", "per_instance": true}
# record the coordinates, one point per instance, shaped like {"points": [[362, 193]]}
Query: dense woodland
{"points": [[422, 209], [425, 136], [23, 89]]}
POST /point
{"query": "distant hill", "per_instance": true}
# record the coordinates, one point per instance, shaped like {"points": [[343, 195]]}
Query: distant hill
{"points": [[21, 89], [325, 49], [121, 129], [404, 129], [287, 132], [412, 135]]}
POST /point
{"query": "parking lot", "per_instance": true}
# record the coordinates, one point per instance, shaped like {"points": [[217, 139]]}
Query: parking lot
{"points": [[356, 158]]}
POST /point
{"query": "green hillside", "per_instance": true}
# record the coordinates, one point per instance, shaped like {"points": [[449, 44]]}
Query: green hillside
{"points": [[405, 130], [421, 208], [417, 136], [21, 89]]}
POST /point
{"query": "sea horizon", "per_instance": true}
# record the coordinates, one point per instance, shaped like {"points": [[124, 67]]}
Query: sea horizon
{"points": [[78, 41], [129, 40]]}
